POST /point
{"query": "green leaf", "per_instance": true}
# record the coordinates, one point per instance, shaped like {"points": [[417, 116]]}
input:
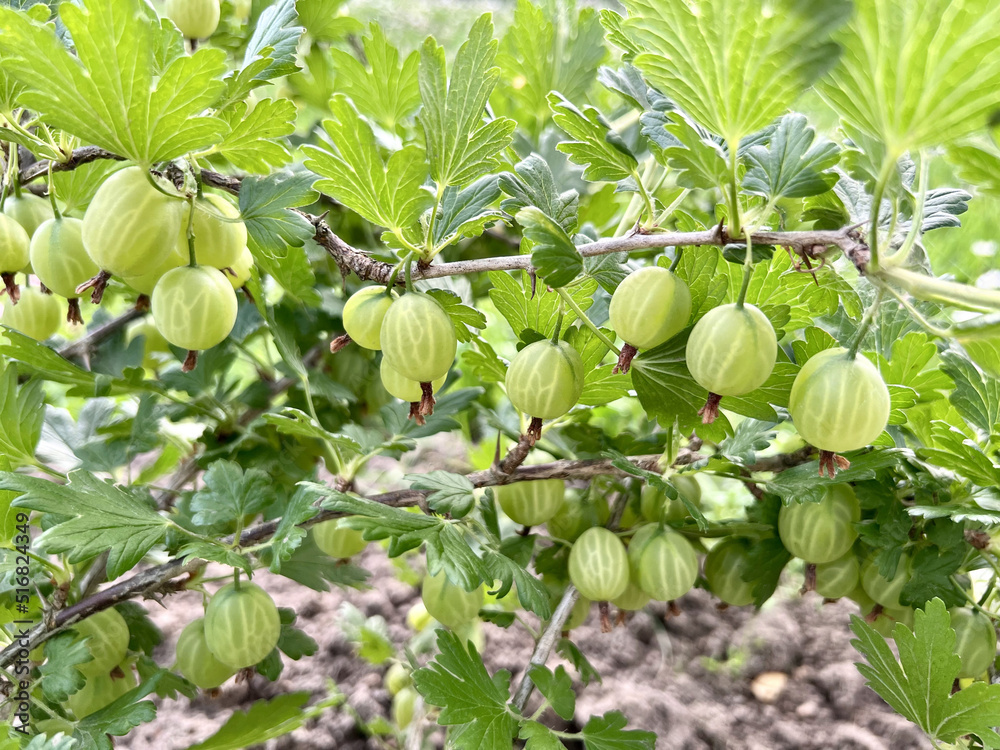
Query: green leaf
{"points": [[557, 688], [385, 90], [270, 53], [730, 66], [978, 164], [531, 592], [539, 737], [462, 316], [532, 184], [265, 720], [790, 166], [595, 145], [460, 146], [608, 732], [129, 89], [265, 204], [976, 397], [253, 143], [466, 212], [309, 566], [698, 157], [59, 676], [447, 548], [919, 685], [569, 651], [388, 193], [296, 422], [458, 682], [98, 517], [144, 635], [449, 493], [916, 75], [289, 535], [539, 310], [547, 48], [22, 413], [554, 256], [230, 493]]}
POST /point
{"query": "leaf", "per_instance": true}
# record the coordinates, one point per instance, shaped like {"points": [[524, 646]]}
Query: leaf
{"points": [[699, 158], [978, 164], [919, 685], [531, 592], [916, 75], [270, 53], [467, 212], [59, 676], [22, 412], [265, 204], [296, 422], [289, 535], [462, 316], [98, 517], [569, 651], [554, 256], [977, 398], [730, 67], [129, 89], [447, 548], [547, 48], [230, 493], [790, 166], [595, 145], [449, 493], [557, 688], [389, 192], [265, 720], [532, 184], [460, 147], [539, 737], [309, 566], [608, 732], [253, 143], [144, 635], [537, 311], [458, 682], [384, 90]]}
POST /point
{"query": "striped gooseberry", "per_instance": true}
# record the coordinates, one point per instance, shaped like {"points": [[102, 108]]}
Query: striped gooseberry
{"points": [[397, 677], [418, 340], [107, 637], [656, 506], [448, 603], [194, 307], [731, 351], [884, 590], [574, 517], [598, 567], [649, 307], [37, 314], [30, 211], [838, 577], [578, 615], [101, 691], [975, 641], [197, 19], [821, 532], [242, 624], [364, 313], [196, 661], [337, 540], [531, 503], [404, 705], [130, 226], [60, 261], [662, 562], [220, 236], [838, 403], [14, 255], [544, 381], [725, 565]]}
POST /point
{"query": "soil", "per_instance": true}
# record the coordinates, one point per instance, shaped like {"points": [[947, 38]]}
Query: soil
{"points": [[692, 678]]}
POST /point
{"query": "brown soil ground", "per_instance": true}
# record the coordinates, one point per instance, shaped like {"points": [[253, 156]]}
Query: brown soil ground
{"points": [[687, 678]]}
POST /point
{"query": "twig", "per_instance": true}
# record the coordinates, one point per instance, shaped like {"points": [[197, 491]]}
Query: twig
{"points": [[84, 345], [546, 643], [78, 158]]}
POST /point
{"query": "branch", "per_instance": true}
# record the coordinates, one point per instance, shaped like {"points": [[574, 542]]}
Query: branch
{"points": [[84, 345], [78, 158], [348, 258]]}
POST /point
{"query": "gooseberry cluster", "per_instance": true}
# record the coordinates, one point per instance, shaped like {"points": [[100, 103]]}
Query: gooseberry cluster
{"points": [[189, 256]]}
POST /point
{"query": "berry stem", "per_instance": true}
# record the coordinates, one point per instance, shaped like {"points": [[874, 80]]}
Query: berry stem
{"points": [[747, 272], [190, 234], [408, 272], [236, 578], [678, 252], [866, 323], [567, 298], [52, 195]]}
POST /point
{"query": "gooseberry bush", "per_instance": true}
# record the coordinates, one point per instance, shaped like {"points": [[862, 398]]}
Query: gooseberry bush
{"points": [[622, 261]]}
